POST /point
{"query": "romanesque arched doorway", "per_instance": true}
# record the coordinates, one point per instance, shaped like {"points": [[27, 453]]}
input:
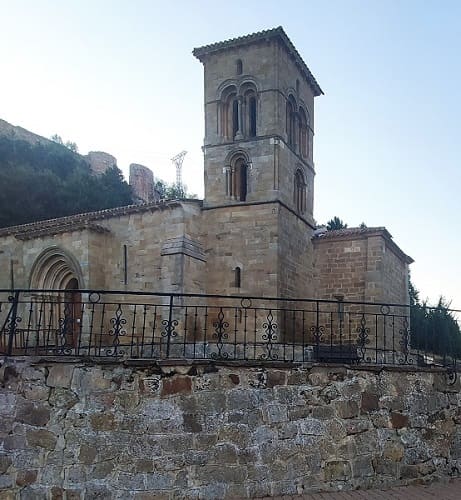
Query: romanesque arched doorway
{"points": [[55, 281]]}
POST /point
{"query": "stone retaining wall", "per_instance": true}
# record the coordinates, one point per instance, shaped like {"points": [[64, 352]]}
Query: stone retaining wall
{"points": [[80, 430]]}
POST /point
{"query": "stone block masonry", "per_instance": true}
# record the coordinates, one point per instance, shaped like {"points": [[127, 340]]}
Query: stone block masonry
{"points": [[132, 431]]}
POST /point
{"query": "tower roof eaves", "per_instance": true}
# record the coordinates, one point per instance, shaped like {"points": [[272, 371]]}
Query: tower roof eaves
{"points": [[278, 32]]}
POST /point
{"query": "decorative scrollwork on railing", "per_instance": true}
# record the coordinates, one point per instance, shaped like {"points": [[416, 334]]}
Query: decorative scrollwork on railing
{"points": [[169, 332], [317, 332], [220, 334], [117, 331], [451, 375], [12, 321], [94, 297], [246, 303], [385, 310], [13, 324], [65, 331], [404, 342], [363, 339], [270, 336], [169, 329]]}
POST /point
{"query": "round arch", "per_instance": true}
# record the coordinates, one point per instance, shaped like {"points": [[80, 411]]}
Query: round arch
{"points": [[235, 154], [248, 83], [300, 191], [237, 175], [55, 269], [227, 87]]}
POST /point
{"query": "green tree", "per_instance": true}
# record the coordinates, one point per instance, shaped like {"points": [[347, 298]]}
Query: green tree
{"points": [[57, 139], [72, 146], [54, 182], [172, 191], [433, 329], [335, 223]]}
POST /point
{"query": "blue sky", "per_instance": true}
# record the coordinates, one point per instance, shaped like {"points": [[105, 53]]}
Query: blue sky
{"points": [[119, 77]]}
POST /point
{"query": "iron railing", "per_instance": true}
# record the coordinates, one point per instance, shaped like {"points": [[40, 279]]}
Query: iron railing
{"points": [[121, 324]]}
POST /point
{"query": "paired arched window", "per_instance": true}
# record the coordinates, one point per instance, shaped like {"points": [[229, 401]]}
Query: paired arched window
{"points": [[300, 192], [250, 108], [238, 112], [291, 121], [303, 133], [237, 179], [229, 113], [297, 127]]}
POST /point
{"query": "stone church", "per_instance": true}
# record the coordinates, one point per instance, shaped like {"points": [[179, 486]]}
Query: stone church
{"points": [[254, 232]]}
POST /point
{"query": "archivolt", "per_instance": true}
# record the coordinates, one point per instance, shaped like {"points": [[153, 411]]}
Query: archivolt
{"points": [[53, 269]]}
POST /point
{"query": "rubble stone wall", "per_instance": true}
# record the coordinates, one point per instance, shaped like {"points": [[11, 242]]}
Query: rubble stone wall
{"points": [[124, 430]]}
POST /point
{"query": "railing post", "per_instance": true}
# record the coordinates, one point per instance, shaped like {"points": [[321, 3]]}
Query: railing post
{"points": [[13, 321], [317, 329], [170, 327]]}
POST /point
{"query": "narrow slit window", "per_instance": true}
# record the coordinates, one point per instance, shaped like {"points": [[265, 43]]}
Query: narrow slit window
{"points": [[237, 277], [239, 67], [125, 264]]}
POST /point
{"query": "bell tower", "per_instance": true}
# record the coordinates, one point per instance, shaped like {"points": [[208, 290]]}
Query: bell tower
{"points": [[258, 166], [259, 123]]}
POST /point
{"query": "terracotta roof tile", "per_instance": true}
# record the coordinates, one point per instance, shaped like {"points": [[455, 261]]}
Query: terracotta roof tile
{"points": [[83, 221]]}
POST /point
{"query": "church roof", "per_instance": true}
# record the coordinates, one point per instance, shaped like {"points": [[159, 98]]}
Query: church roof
{"points": [[279, 33], [83, 221], [362, 232]]}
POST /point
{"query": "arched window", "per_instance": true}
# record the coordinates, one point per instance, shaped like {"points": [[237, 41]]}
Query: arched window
{"points": [[303, 134], [237, 179], [249, 94], [237, 277], [250, 112], [291, 121], [235, 118], [300, 192], [239, 67], [238, 111], [229, 122], [252, 116]]}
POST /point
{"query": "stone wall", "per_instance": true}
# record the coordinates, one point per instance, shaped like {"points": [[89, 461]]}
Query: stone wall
{"points": [[295, 255], [273, 163], [100, 250], [362, 265], [244, 237], [142, 183], [82, 430], [341, 267], [99, 161]]}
